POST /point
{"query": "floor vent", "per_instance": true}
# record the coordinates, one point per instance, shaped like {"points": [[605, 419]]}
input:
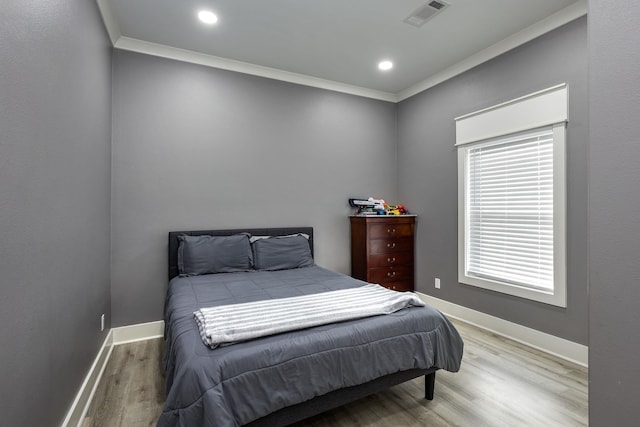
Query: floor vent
{"points": [[426, 12]]}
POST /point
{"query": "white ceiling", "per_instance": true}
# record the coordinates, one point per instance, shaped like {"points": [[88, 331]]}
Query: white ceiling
{"points": [[335, 44]]}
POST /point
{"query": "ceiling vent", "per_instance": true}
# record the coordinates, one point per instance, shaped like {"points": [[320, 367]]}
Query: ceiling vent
{"points": [[426, 12]]}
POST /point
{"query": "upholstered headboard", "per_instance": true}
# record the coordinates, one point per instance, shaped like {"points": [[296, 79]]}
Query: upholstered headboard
{"points": [[173, 239]]}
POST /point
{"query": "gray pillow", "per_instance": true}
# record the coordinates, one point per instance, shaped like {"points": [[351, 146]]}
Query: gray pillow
{"points": [[281, 253], [214, 254], [253, 238]]}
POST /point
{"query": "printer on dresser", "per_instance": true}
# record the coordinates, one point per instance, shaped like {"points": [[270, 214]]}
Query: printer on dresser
{"points": [[382, 250]]}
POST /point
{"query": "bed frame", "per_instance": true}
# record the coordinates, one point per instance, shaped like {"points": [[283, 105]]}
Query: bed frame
{"points": [[331, 400]]}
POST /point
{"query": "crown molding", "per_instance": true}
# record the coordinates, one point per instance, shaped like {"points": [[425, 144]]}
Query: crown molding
{"points": [[113, 29], [546, 25], [141, 46], [558, 19]]}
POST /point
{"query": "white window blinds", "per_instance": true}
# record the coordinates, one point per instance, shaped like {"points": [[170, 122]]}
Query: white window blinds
{"points": [[510, 210], [512, 197]]}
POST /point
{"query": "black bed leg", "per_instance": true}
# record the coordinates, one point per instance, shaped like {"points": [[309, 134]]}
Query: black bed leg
{"points": [[429, 385]]}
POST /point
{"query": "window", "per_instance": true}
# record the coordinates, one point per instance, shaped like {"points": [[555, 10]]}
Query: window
{"points": [[512, 197]]}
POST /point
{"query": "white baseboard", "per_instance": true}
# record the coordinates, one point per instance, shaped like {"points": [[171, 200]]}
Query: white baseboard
{"points": [[138, 332], [565, 349], [80, 405], [116, 336]]}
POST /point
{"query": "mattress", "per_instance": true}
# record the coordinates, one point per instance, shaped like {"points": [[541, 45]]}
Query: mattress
{"points": [[236, 384]]}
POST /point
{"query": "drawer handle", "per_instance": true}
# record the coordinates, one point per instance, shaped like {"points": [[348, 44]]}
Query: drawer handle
{"points": [[391, 274], [393, 287], [391, 230], [391, 245], [391, 259]]}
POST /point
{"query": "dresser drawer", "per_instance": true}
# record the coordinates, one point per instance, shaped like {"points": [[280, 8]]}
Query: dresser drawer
{"points": [[391, 259], [390, 274], [381, 246], [384, 231], [406, 285]]}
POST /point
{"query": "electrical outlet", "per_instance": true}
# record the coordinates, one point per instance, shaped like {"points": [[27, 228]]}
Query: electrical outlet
{"points": [[437, 283], [102, 322]]}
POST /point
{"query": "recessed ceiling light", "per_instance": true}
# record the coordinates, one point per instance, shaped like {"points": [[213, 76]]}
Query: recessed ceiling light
{"points": [[385, 65], [207, 17]]}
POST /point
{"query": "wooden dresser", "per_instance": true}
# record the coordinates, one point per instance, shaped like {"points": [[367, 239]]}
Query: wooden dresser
{"points": [[382, 249]]}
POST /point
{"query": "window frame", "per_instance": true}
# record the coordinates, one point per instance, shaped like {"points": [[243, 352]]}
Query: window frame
{"points": [[557, 297]]}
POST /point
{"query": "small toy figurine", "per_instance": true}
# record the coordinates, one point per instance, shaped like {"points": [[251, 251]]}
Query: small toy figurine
{"points": [[396, 210]]}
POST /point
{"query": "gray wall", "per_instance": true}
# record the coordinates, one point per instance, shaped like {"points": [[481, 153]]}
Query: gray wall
{"points": [[428, 173], [195, 147], [55, 98], [614, 213]]}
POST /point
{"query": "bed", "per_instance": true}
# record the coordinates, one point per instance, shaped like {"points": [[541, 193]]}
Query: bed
{"points": [[284, 378]]}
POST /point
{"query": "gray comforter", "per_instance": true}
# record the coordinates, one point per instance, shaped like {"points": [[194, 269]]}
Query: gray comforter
{"points": [[236, 384]]}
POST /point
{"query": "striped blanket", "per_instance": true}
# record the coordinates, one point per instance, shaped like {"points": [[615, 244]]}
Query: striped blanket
{"points": [[228, 324]]}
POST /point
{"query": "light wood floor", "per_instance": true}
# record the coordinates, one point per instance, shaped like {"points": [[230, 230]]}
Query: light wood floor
{"points": [[501, 383]]}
